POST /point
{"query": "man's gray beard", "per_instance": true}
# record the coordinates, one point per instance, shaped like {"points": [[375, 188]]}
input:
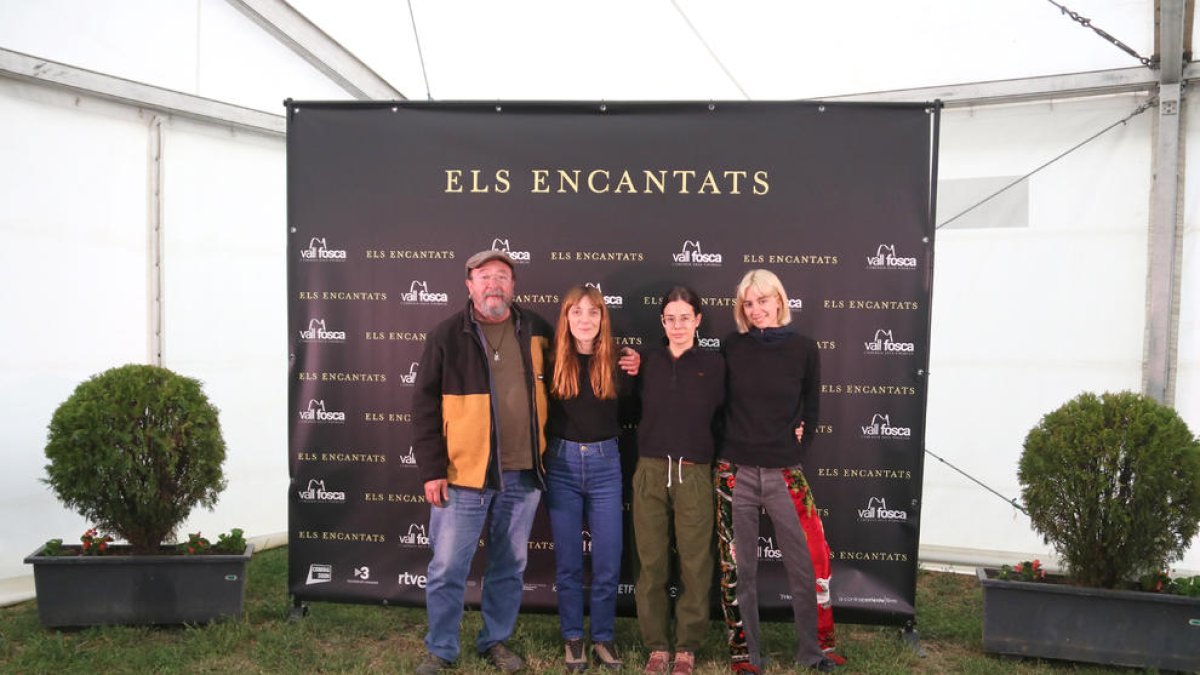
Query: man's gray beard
{"points": [[494, 313]]}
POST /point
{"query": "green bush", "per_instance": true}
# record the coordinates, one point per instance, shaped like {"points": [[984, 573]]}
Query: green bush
{"points": [[1113, 483], [133, 450]]}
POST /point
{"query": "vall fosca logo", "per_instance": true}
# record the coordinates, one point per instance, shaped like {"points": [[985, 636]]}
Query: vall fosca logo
{"points": [[418, 293], [767, 549], [885, 258], [409, 459], [884, 343], [318, 250], [691, 254], [881, 427], [517, 256], [318, 332], [410, 378], [316, 412], [317, 493], [877, 510], [416, 536], [609, 300]]}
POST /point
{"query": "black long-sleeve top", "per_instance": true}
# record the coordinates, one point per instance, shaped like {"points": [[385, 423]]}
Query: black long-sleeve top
{"points": [[774, 384], [585, 418], [680, 397]]}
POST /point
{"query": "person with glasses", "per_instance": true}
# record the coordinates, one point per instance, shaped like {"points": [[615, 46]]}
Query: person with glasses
{"points": [[583, 473], [770, 416], [681, 388]]}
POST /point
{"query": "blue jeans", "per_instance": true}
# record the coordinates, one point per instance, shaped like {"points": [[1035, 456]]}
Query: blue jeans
{"points": [[454, 531], [584, 479]]}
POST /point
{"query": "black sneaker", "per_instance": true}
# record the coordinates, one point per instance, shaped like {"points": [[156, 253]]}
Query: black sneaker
{"points": [[576, 659], [606, 655], [503, 658], [824, 666], [432, 665]]}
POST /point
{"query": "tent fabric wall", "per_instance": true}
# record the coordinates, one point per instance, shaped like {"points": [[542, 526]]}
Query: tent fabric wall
{"points": [[1023, 318]]}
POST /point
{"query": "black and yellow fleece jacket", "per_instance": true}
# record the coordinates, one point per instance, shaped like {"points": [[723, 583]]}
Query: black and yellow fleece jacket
{"points": [[453, 432]]}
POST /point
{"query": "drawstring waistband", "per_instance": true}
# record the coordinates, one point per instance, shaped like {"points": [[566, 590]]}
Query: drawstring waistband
{"points": [[679, 470]]}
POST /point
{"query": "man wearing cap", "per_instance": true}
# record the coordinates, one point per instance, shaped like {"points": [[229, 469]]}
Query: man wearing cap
{"points": [[479, 414]]}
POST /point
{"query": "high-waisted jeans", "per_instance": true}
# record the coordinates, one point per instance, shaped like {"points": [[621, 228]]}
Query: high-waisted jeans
{"points": [[583, 497]]}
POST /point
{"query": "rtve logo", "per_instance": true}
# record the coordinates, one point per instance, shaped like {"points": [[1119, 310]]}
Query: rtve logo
{"points": [[410, 377], [881, 427], [317, 332], [318, 250], [418, 292], [316, 412], [316, 493], [877, 510], [885, 258], [609, 300], [409, 579], [883, 343], [416, 536], [691, 254], [517, 256]]}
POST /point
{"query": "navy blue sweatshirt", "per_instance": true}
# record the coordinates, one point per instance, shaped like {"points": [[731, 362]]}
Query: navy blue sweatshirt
{"points": [[774, 384]]}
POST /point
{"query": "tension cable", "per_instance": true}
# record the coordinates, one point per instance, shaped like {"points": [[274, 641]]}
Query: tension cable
{"points": [[420, 54], [1136, 111], [1012, 502], [1087, 23], [711, 53]]}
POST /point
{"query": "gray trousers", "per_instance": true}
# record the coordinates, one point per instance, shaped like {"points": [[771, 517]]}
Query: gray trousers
{"points": [[754, 489]]}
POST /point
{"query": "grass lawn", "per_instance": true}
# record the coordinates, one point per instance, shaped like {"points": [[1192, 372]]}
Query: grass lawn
{"points": [[338, 638]]}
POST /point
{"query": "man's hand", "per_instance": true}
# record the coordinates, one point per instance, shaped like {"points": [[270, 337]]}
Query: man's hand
{"points": [[630, 361], [437, 491]]}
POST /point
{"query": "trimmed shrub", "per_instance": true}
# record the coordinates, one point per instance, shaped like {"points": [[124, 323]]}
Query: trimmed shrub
{"points": [[1112, 482], [133, 450]]}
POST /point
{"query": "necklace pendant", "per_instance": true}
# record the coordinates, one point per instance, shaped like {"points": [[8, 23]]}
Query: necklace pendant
{"points": [[496, 355]]}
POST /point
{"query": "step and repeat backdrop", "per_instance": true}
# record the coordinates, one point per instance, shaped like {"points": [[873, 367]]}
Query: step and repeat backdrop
{"points": [[387, 201]]}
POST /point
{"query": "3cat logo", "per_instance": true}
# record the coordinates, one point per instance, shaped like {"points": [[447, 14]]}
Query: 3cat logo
{"points": [[410, 378], [691, 254], [517, 256], [419, 294], [767, 550], [885, 258], [614, 301], [319, 251], [316, 493], [317, 332], [416, 536], [362, 575], [877, 511], [884, 343], [409, 460], [316, 412], [881, 427], [319, 574]]}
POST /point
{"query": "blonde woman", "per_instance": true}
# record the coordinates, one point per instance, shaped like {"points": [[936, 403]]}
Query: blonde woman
{"points": [[774, 384]]}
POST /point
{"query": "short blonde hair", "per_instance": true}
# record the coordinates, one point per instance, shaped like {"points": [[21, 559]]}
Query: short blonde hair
{"points": [[766, 283]]}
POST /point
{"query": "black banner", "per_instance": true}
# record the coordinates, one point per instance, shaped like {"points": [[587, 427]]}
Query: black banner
{"points": [[386, 202]]}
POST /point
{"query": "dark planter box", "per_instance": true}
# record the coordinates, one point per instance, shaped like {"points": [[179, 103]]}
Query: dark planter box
{"points": [[1057, 621], [138, 589]]}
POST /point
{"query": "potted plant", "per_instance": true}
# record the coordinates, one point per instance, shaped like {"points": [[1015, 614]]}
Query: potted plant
{"points": [[1112, 482], [133, 450]]}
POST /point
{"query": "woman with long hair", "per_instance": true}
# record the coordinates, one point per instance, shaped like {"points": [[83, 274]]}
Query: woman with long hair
{"points": [[681, 389], [773, 391], [583, 473]]}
